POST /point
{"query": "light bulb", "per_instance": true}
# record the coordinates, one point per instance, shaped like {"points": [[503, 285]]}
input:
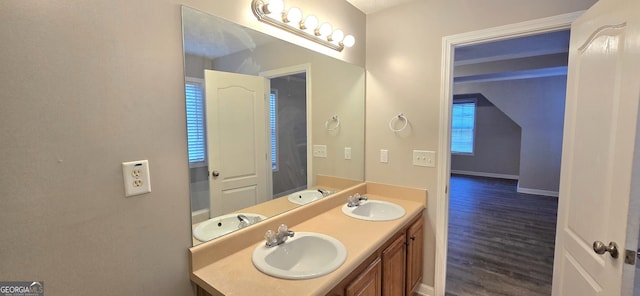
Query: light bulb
{"points": [[310, 23], [324, 30], [294, 16], [337, 36], [274, 7], [349, 41]]}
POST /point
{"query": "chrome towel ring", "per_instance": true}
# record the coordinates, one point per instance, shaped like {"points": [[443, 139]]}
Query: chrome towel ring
{"points": [[335, 119], [399, 117]]}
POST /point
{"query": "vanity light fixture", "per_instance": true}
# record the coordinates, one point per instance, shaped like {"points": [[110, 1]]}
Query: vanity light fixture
{"points": [[292, 20]]}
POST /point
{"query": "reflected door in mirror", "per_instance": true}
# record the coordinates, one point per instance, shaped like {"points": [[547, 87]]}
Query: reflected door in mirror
{"points": [[237, 142]]}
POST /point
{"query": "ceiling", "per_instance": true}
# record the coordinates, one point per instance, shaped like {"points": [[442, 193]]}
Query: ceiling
{"points": [[371, 6]]}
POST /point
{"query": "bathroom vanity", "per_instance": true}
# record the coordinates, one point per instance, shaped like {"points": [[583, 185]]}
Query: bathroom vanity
{"points": [[383, 257]]}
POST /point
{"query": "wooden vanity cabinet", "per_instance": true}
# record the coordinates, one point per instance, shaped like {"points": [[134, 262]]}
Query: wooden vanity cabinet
{"points": [[394, 264], [400, 264], [369, 283], [415, 255]]}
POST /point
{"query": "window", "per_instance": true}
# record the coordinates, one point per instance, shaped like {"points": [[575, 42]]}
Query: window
{"points": [[196, 138], [273, 123], [463, 120]]}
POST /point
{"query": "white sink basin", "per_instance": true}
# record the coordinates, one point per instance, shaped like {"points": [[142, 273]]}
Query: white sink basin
{"points": [[306, 255], [375, 210], [221, 225], [305, 196]]}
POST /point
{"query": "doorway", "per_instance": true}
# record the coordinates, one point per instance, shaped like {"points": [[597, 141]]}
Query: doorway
{"points": [[289, 115], [551, 24]]}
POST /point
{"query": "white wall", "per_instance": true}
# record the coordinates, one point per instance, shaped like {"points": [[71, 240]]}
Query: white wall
{"points": [[85, 86], [403, 60], [537, 105]]}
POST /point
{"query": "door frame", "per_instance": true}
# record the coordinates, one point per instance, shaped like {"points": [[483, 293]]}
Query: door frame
{"points": [[296, 69], [533, 27]]}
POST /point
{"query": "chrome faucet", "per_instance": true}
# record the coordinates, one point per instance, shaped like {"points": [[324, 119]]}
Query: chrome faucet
{"points": [[274, 239], [354, 201], [244, 221], [324, 192]]}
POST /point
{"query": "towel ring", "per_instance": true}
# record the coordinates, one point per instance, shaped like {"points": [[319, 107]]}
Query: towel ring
{"points": [[398, 117], [333, 118]]}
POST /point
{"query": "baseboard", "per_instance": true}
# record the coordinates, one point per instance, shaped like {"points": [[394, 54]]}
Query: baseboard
{"points": [[482, 174], [537, 191], [424, 290]]}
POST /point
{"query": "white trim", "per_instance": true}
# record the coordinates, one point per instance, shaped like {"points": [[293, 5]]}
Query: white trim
{"points": [[537, 191], [549, 24], [511, 56], [302, 68], [483, 174], [424, 290]]}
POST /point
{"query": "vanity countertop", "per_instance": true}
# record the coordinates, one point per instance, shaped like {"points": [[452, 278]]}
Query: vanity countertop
{"points": [[234, 274]]}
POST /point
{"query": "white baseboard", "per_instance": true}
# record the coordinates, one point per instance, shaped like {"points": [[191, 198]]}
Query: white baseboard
{"points": [[537, 191], [482, 174], [424, 290]]}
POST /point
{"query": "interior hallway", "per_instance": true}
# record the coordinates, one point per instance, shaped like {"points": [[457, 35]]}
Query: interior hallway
{"points": [[500, 242]]}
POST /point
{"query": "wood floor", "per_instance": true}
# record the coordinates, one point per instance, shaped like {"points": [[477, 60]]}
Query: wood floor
{"points": [[500, 242]]}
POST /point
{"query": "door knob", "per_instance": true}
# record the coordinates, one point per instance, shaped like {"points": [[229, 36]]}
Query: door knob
{"points": [[600, 248], [215, 173]]}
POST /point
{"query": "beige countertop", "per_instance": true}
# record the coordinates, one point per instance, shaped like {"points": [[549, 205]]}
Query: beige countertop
{"points": [[234, 274]]}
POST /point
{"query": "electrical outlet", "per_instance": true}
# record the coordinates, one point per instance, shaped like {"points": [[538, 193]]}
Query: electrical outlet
{"points": [[136, 177]]}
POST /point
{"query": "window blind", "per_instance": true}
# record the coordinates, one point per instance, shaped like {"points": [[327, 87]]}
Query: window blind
{"points": [[273, 122], [462, 127], [195, 122]]}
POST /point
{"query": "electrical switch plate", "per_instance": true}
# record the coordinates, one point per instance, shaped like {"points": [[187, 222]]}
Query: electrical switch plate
{"points": [[347, 152], [320, 151], [424, 158], [136, 177], [384, 155]]}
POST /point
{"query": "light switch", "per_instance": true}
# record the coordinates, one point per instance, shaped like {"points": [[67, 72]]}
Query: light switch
{"points": [[347, 152], [424, 158], [384, 156]]}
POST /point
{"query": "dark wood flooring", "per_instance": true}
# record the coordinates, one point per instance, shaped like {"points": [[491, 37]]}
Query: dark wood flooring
{"points": [[500, 242]]}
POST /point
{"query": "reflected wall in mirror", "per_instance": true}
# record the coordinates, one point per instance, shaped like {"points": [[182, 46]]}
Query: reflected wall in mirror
{"points": [[306, 94]]}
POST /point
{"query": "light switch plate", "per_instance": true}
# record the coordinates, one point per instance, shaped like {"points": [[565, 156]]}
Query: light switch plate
{"points": [[347, 152], [320, 151], [424, 158], [384, 155], [136, 177]]}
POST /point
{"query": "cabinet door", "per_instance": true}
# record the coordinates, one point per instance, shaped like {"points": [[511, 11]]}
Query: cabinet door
{"points": [[393, 267], [369, 283], [415, 253]]}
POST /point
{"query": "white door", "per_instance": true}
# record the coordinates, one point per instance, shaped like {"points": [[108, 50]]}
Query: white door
{"points": [[236, 140], [599, 137]]}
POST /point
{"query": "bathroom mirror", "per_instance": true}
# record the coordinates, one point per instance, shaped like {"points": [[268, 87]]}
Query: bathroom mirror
{"points": [[310, 126]]}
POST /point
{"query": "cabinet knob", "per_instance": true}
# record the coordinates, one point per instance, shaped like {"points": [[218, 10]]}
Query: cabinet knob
{"points": [[413, 237]]}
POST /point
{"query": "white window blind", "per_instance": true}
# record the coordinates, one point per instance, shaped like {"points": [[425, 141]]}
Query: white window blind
{"points": [[195, 122], [273, 122], [463, 127]]}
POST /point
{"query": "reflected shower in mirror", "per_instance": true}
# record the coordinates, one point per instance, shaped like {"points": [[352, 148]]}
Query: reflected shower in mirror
{"points": [[257, 113]]}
